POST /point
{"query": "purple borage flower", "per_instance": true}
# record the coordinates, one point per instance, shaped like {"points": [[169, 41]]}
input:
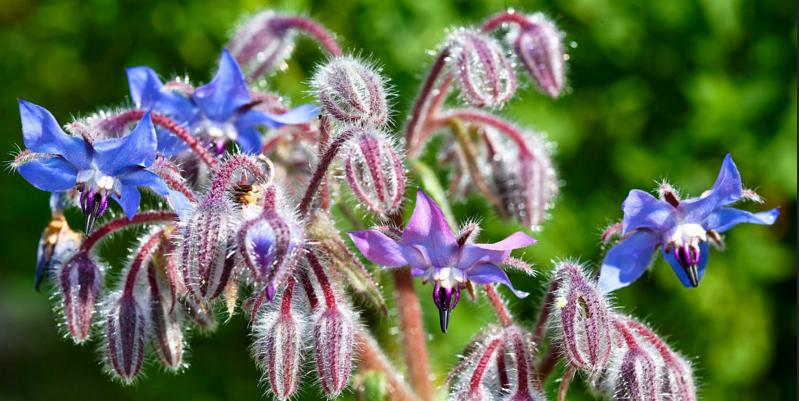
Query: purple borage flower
{"points": [[681, 228], [219, 111], [99, 169], [431, 250]]}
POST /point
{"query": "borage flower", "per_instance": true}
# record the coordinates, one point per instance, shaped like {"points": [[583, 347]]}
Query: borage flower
{"points": [[432, 251], [220, 111], [681, 228], [55, 161]]}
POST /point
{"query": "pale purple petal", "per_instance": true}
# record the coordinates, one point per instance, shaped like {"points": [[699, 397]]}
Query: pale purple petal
{"points": [[136, 149], [428, 228], [378, 248], [488, 273], [496, 253], [704, 253], [42, 134], [249, 140], [726, 190], [220, 98], [628, 260], [642, 210], [726, 218], [50, 174]]}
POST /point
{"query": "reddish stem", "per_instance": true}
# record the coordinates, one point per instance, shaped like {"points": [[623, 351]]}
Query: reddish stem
{"points": [[484, 118], [499, 306], [321, 170], [511, 17], [566, 380], [324, 138], [122, 222], [482, 364], [142, 254], [313, 29], [324, 282], [309, 290], [285, 303], [543, 313], [372, 358], [548, 363], [420, 110], [413, 335]]}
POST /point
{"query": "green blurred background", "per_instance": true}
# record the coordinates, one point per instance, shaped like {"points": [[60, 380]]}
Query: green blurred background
{"points": [[663, 88]]}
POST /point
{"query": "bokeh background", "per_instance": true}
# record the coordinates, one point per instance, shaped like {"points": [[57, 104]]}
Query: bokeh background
{"points": [[657, 89]]}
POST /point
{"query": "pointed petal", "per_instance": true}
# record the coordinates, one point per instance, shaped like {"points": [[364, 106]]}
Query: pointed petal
{"points": [[136, 149], [249, 140], [628, 260], [298, 115], [726, 190], [129, 200], [487, 273], [726, 218], [168, 143], [642, 210], [49, 174], [42, 134], [147, 92], [139, 177], [428, 228], [496, 253], [378, 248], [228, 91], [704, 253]]}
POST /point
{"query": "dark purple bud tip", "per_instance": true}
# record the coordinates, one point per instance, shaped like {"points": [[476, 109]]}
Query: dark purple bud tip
{"points": [[446, 299], [688, 256]]}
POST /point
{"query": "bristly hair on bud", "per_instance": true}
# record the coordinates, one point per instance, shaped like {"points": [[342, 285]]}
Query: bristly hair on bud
{"points": [[485, 74], [260, 45], [333, 347], [80, 280], [539, 46], [374, 172], [582, 319], [474, 378], [58, 241], [351, 91], [126, 334], [166, 329], [524, 383]]}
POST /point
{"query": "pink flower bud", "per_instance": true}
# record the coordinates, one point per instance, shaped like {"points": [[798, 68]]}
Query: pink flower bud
{"points": [[473, 378], [351, 91], [125, 337], [279, 343], [205, 259], [539, 46], [333, 333], [524, 385], [166, 335], [633, 373], [485, 75], [374, 172], [80, 280], [260, 45], [583, 319]]}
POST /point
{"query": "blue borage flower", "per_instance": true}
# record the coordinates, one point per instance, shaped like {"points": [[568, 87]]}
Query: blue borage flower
{"points": [[98, 169], [681, 228], [431, 250], [221, 110]]}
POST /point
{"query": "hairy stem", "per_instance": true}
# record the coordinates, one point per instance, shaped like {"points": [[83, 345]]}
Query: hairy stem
{"points": [[505, 17], [117, 224], [543, 314], [142, 254], [499, 306], [548, 362], [565, 381], [324, 281], [469, 154], [413, 335], [372, 358], [321, 170], [420, 109], [312, 29]]}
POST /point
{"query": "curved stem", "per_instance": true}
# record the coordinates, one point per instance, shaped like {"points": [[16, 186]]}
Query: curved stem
{"points": [[504, 17], [142, 254], [313, 29], [372, 358], [117, 224], [413, 335], [499, 307], [483, 118], [543, 314], [420, 109], [566, 380], [469, 154], [324, 138], [321, 170], [324, 281], [224, 175]]}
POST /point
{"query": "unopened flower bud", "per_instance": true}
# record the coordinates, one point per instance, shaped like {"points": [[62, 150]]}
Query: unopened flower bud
{"points": [[524, 386], [333, 333], [200, 312], [634, 371], [58, 241], [351, 91], [260, 45], [473, 379], [539, 46], [583, 319], [166, 334], [485, 75], [80, 280], [125, 337], [374, 172], [279, 345]]}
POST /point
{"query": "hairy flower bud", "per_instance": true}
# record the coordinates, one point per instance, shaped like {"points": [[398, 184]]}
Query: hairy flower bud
{"points": [[260, 45], [207, 237], [374, 172], [524, 386], [539, 46], [200, 312], [583, 319], [80, 280], [279, 343], [125, 336], [633, 373], [485, 75], [166, 334], [473, 379], [333, 333], [351, 91]]}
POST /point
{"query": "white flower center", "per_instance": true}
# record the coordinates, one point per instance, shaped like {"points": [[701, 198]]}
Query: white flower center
{"points": [[94, 179], [447, 277], [219, 130], [688, 233]]}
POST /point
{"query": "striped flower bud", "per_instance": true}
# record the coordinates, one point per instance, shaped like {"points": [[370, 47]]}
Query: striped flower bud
{"points": [[261, 45], [200, 312], [633, 372], [80, 280], [207, 237], [539, 46], [473, 379], [279, 343], [351, 91], [582, 318], [166, 333], [125, 336], [374, 172], [524, 386], [485, 75], [333, 333]]}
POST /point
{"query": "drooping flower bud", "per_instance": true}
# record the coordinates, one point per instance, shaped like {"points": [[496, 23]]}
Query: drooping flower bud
{"points": [[539, 46], [485, 75], [261, 45], [333, 335], [58, 241], [279, 342], [166, 333], [582, 318], [633, 373], [524, 385], [351, 91], [80, 280], [473, 379], [374, 172], [125, 336], [200, 312]]}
